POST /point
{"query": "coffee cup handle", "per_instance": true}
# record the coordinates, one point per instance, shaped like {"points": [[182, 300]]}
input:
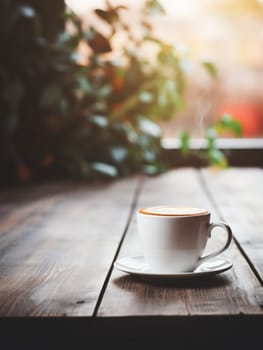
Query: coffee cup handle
{"points": [[226, 245]]}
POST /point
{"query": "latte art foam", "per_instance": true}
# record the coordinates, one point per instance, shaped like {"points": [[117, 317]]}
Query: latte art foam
{"points": [[168, 210]]}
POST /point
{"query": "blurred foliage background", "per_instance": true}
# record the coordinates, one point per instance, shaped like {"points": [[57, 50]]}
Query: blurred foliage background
{"points": [[71, 107]]}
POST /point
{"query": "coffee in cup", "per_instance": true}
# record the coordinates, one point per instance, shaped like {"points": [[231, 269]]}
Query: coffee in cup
{"points": [[174, 238]]}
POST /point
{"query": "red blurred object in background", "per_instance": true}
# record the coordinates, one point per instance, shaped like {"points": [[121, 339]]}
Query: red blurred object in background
{"points": [[248, 114]]}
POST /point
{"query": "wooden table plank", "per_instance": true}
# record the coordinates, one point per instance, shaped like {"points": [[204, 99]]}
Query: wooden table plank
{"points": [[235, 292], [238, 195], [57, 244]]}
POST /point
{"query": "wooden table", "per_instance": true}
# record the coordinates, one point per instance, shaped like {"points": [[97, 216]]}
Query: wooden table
{"points": [[58, 244]]}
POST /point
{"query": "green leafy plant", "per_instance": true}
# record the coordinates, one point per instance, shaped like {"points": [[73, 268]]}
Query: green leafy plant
{"points": [[214, 156], [227, 124], [62, 117]]}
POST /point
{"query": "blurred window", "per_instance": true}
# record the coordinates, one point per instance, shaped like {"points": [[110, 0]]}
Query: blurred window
{"points": [[230, 34]]}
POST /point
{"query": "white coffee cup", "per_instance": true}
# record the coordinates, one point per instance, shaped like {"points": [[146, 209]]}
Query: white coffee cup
{"points": [[174, 238]]}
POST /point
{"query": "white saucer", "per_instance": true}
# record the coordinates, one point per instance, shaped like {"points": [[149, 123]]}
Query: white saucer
{"points": [[136, 265]]}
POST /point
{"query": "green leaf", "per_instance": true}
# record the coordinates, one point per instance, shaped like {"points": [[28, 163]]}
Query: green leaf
{"points": [[217, 157], [210, 68], [177, 101], [104, 169], [84, 85], [63, 38], [118, 153], [211, 135], [150, 128], [104, 91], [99, 120], [185, 143], [131, 134], [144, 141], [27, 11], [228, 123], [153, 7], [145, 97], [152, 169], [170, 86], [149, 155], [172, 95]]}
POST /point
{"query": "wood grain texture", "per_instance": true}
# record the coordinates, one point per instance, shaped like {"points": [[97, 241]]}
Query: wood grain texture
{"points": [[57, 243], [234, 292], [238, 195]]}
